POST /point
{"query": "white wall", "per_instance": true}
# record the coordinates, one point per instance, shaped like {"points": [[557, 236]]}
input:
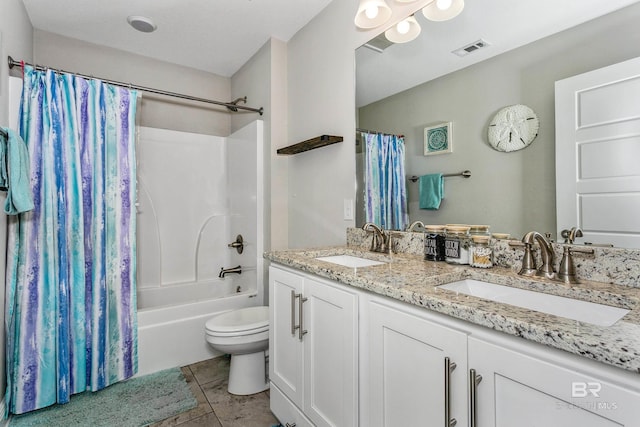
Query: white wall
{"points": [[156, 111], [16, 39], [263, 80], [321, 96], [245, 174]]}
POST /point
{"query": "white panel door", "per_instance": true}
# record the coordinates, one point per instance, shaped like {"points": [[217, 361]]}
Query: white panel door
{"points": [[597, 154]]}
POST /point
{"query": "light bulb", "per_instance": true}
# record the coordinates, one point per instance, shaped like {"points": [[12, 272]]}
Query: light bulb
{"points": [[443, 4], [403, 27], [371, 11]]}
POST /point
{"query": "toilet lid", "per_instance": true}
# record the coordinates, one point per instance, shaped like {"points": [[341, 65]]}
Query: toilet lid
{"points": [[244, 319]]}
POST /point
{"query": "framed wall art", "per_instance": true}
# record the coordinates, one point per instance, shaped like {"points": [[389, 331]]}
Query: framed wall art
{"points": [[438, 139]]}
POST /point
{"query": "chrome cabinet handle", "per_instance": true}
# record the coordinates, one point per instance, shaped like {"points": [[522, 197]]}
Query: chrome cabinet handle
{"points": [[301, 330], [474, 380], [449, 367], [293, 312]]}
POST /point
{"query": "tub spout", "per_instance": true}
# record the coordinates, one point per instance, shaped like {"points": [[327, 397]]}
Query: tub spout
{"points": [[225, 271]]}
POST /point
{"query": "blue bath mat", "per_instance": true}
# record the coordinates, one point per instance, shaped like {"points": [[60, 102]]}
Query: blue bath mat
{"points": [[132, 403]]}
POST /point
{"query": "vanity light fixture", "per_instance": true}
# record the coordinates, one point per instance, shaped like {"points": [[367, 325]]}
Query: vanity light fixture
{"points": [[372, 13], [443, 10], [142, 23], [404, 31]]}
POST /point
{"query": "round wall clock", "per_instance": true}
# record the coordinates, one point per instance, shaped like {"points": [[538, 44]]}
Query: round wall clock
{"points": [[513, 128]]}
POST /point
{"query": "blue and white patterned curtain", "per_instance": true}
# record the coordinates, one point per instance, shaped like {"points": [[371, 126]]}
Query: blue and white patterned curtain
{"points": [[385, 198], [71, 296]]}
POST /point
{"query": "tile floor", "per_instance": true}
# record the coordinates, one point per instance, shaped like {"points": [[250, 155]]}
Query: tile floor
{"points": [[216, 407]]}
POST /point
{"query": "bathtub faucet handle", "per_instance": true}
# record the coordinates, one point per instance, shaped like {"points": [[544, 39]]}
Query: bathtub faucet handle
{"points": [[225, 271], [238, 244]]}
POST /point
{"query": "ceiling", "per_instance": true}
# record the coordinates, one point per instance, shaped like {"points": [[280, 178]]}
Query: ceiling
{"points": [[217, 36], [504, 24]]}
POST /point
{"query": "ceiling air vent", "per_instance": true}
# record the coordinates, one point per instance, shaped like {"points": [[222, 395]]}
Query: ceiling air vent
{"points": [[378, 44], [472, 47]]}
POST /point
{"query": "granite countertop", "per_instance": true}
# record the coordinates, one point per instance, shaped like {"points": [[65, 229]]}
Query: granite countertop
{"points": [[409, 278]]}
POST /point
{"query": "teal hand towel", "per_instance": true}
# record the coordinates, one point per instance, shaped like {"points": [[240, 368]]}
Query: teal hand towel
{"points": [[15, 174], [431, 191]]}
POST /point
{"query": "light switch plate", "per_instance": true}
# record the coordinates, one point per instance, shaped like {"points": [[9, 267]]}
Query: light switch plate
{"points": [[348, 209]]}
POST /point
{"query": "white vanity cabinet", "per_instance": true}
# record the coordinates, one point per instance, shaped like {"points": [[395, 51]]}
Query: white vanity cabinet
{"points": [[313, 350], [341, 356], [416, 372], [529, 386]]}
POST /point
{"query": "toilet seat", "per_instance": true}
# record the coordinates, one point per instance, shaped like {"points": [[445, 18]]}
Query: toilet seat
{"points": [[245, 321]]}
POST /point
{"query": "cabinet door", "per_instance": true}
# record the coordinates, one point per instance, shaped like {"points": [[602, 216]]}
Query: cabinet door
{"points": [[286, 413], [285, 348], [407, 369], [330, 355], [520, 390]]}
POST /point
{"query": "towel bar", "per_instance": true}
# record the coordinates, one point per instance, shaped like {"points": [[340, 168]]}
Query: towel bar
{"points": [[465, 174]]}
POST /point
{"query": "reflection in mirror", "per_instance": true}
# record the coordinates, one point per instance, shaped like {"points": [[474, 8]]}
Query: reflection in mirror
{"points": [[385, 194], [513, 192]]}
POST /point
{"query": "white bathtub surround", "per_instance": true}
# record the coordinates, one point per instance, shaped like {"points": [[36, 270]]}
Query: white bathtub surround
{"points": [[196, 194], [617, 266]]}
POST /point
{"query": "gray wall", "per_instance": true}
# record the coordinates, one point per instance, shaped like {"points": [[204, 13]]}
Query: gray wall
{"points": [[513, 192], [156, 111], [262, 79]]}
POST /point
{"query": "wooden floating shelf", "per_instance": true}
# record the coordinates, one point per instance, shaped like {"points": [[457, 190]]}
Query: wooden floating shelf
{"points": [[310, 144]]}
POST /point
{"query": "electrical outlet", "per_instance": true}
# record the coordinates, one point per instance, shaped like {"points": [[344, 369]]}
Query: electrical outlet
{"points": [[348, 209]]}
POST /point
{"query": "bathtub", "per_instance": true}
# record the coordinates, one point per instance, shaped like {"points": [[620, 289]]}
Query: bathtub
{"points": [[171, 320]]}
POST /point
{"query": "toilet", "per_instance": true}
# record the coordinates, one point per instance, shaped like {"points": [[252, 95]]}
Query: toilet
{"points": [[244, 334]]}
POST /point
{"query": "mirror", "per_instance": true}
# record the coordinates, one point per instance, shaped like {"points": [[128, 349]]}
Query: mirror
{"points": [[512, 192]]}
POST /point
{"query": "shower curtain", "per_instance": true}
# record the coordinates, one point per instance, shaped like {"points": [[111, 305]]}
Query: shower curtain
{"points": [[385, 198], [70, 312]]}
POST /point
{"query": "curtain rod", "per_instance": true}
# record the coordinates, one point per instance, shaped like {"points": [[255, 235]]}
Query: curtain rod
{"points": [[377, 132], [233, 106]]}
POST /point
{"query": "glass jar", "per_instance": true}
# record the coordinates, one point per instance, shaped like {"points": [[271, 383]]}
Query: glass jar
{"points": [[479, 230], [434, 243], [456, 244], [481, 252]]}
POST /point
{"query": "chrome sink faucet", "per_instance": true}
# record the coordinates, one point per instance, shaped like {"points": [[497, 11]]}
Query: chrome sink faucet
{"points": [[415, 224], [547, 254], [380, 240], [571, 235], [567, 273]]}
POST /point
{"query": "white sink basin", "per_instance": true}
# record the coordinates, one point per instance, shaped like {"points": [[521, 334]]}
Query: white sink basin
{"points": [[583, 311], [350, 261]]}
